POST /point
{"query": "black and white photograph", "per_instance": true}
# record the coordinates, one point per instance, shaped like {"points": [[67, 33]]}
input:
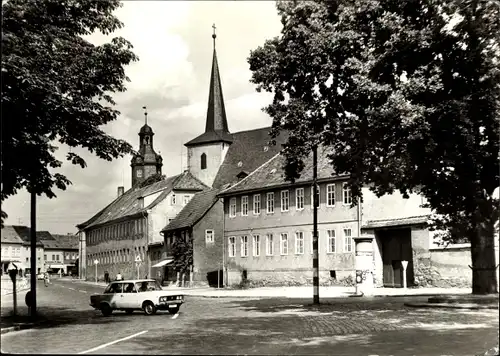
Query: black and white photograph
{"points": [[274, 177]]}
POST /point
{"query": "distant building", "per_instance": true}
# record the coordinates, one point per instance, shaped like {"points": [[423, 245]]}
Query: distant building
{"points": [[60, 254], [12, 246], [22, 254]]}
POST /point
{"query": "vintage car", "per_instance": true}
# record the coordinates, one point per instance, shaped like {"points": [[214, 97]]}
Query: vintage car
{"points": [[137, 294]]}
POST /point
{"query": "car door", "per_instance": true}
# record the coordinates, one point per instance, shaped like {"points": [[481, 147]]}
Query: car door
{"points": [[114, 294], [129, 296]]}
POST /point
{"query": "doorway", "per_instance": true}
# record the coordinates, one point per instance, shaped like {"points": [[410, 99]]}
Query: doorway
{"points": [[396, 247]]}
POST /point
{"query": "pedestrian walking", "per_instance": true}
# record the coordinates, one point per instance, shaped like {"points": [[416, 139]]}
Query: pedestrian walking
{"points": [[119, 277], [46, 279]]}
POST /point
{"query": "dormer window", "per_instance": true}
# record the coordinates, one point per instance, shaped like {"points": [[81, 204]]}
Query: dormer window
{"points": [[203, 160]]}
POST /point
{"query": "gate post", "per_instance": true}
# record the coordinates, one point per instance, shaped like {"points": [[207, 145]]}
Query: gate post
{"points": [[364, 265]]}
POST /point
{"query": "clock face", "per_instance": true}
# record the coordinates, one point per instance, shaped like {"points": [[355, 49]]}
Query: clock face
{"points": [[139, 173]]}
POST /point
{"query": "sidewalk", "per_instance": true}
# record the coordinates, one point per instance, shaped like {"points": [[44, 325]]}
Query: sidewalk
{"points": [[298, 292]]}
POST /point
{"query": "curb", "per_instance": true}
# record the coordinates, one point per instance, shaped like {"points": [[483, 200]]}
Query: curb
{"points": [[21, 326], [470, 306]]}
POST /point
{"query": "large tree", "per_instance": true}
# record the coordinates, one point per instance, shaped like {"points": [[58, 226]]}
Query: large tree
{"points": [[405, 94], [56, 88]]}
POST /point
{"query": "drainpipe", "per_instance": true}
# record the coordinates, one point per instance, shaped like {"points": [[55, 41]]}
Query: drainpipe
{"points": [[147, 257], [224, 271]]}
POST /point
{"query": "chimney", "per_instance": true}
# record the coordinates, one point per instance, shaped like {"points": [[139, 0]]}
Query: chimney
{"points": [[121, 190]]}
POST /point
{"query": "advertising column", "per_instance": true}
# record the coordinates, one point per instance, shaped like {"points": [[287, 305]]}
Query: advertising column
{"points": [[364, 265]]}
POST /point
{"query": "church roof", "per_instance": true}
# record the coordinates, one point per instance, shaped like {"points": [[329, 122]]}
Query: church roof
{"points": [[249, 150], [146, 129], [128, 204], [216, 129], [271, 174], [194, 210]]}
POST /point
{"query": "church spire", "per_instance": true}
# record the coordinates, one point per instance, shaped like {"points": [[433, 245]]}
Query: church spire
{"points": [[216, 112], [216, 129]]}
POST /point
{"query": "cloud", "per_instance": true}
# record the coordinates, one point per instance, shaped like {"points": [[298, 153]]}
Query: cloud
{"points": [[173, 42]]}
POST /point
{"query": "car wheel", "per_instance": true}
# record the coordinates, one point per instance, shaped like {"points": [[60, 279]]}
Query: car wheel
{"points": [[173, 310], [129, 311], [106, 309], [149, 308]]}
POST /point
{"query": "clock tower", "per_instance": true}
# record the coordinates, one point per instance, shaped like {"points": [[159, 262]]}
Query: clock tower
{"points": [[147, 162]]}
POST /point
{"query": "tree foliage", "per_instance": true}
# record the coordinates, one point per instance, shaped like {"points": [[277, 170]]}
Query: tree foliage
{"points": [[182, 251], [56, 88], [405, 94]]}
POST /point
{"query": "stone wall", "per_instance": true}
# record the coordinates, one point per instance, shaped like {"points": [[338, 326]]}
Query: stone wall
{"points": [[295, 277], [449, 267]]}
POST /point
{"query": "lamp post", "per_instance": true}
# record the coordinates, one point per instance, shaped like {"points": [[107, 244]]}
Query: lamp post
{"points": [[96, 262], [315, 227]]}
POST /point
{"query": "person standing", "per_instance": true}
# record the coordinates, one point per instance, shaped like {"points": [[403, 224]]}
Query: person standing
{"points": [[119, 277], [46, 280]]}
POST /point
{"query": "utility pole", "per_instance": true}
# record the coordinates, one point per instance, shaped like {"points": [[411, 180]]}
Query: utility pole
{"points": [[33, 254], [315, 227]]}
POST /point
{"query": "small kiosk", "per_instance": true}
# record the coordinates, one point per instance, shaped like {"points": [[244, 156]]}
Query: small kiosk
{"points": [[364, 265]]}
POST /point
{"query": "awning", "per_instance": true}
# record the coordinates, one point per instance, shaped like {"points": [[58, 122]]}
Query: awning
{"points": [[162, 263]]}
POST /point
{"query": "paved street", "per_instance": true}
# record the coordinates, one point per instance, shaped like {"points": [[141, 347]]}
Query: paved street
{"points": [[254, 326]]}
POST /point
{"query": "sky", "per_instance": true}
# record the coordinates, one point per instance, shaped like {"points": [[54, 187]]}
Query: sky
{"points": [[173, 41]]}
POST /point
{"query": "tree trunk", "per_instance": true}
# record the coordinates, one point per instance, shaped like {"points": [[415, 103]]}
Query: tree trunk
{"points": [[484, 262]]}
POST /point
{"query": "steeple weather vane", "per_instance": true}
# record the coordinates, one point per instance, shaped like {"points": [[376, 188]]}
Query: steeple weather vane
{"points": [[214, 36], [145, 114]]}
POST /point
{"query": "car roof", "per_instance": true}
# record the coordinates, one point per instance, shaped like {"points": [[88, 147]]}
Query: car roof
{"points": [[134, 280]]}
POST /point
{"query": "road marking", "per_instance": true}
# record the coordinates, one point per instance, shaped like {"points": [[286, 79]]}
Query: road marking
{"points": [[83, 291], [175, 316], [111, 343]]}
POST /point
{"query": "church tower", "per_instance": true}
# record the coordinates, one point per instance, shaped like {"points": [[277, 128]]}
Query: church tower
{"points": [[207, 151], [147, 162]]}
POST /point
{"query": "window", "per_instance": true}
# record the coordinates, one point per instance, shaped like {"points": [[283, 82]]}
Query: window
{"points": [[285, 200], [173, 199], [209, 236], [256, 204], [256, 245], [232, 246], [186, 199], [45, 257], [269, 245], [331, 241], [232, 207], [203, 161], [346, 194], [347, 240], [299, 243], [39, 258], [270, 203], [27, 259], [244, 246], [284, 244], [53, 257], [244, 205], [299, 198], [330, 195]]}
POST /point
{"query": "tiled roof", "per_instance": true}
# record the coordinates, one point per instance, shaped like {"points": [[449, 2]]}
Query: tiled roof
{"points": [[24, 233], [271, 174], [64, 241], [9, 235], [249, 150], [194, 210], [128, 204], [412, 220]]}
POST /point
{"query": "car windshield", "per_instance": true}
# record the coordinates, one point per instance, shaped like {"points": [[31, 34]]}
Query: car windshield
{"points": [[114, 288], [147, 286]]}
